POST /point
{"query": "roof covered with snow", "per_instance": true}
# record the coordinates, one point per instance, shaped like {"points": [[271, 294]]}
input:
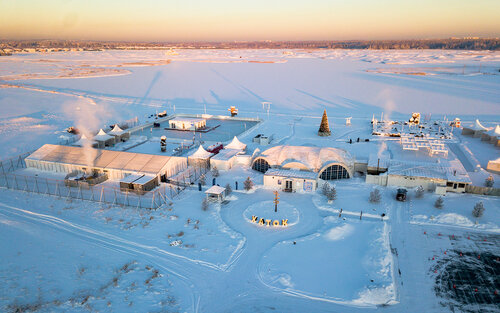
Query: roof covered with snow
{"points": [[313, 158], [201, 153], [226, 154], [117, 131], [102, 136], [444, 169], [291, 173], [236, 144], [106, 159], [215, 190], [186, 120], [478, 126], [495, 132]]}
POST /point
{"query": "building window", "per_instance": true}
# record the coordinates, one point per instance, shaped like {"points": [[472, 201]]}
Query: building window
{"points": [[461, 185], [449, 184], [334, 172], [279, 181], [261, 165]]}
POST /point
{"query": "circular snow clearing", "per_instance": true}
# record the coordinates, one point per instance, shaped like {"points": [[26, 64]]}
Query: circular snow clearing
{"points": [[286, 216]]}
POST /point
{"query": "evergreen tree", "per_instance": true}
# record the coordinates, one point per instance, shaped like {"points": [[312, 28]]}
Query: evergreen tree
{"points": [[215, 172], [324, 129], [489, 182], [332, 194], [228, 189], [203, 180], [248, 184], [375, 196], [439, 204], [478, 209], [325, 188]]}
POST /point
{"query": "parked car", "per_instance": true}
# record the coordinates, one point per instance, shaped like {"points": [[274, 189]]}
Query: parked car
{"points": [[401, 195]]}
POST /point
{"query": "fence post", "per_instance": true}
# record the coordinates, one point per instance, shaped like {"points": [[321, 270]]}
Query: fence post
{"points": [[47, 183], [92, 193], [102, 194], [57, 191], [114, 201], [36, 185], [126, 197], [26, 181], [12, 165], [15, 179], [3, 170]]}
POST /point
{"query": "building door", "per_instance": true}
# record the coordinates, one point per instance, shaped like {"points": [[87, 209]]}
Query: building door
{"points": [[288, 185], [454, 186]]}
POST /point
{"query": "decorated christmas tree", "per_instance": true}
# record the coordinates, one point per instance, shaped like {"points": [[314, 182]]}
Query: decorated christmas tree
{"points": [[324, 129]]}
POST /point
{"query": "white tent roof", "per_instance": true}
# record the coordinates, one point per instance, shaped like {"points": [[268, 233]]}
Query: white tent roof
{"points": [[201, 154], [117, 131], [215, 190], [102, 136], [236, 144], [495, 132], [83, 141], [478, 126], [313, 158]]}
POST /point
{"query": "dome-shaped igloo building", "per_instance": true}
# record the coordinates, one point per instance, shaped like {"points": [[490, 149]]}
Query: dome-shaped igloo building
{"points": [[328, 163]]}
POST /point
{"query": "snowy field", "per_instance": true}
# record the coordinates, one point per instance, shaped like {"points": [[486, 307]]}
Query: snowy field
{"points": [[59, 255]]}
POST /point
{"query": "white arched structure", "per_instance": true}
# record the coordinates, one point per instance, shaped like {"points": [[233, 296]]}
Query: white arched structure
{"points": [[329, 163]]}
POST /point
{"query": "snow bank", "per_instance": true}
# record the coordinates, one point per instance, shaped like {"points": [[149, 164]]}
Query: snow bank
{"points": [[340, 232]]}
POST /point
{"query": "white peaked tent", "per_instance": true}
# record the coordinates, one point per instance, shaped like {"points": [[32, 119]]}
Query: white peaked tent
{"points": [[475, 130], [84, 142], [236, 144], [104, 139], [493, 135], [118, 133], [200, 158]]}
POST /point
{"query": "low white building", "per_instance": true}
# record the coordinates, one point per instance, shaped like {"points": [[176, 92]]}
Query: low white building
{"points": [[225, 159], [438, 176], [116, 164], [103, 139], [119, 134], [200, 158], [291, 180], [187, 123]]}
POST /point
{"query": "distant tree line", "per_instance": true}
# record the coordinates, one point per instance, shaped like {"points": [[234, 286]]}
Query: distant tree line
{"points": [[448, 44]]}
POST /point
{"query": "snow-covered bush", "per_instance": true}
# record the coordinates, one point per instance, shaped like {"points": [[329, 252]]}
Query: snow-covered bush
{"points": [[375, 196], [419, 192], [215, 172], [331, 194], [203, 180], [325, 188], [489, 182], [248, 184], [478, 209], [204, 204], [228, 189], [439, 204]]}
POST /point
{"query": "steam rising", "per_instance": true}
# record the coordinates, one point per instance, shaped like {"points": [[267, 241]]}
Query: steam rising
{"points": [[88, 117]]}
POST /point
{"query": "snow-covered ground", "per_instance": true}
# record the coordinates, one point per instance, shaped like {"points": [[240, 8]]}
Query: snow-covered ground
{"points": [[62, 255]]}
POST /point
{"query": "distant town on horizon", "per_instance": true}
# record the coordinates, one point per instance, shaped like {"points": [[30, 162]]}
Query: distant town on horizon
{"points": [[466, 43]]}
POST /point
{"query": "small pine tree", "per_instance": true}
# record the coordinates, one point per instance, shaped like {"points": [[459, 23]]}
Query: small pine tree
{"points": [[203, 180], [375, 196], [332, 194], [489, 182], [439, 204], [419, 192], [228, 189], [248, 184], [204, 204], [478, 209], [215, 172], [325, 188]]}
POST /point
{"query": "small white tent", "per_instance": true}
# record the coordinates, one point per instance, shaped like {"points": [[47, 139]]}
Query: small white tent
{"points": [[104, 139], [236, 144], [492, 135], [200, 158], [119, 134], [84, 142], [475, 130]]}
